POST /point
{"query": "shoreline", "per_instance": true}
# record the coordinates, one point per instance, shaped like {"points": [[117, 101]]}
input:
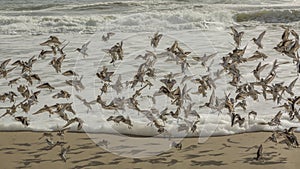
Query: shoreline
{"points": [[26, 150], [137, 136]]}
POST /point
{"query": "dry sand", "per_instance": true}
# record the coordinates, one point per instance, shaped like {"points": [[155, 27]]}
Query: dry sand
{"points": [[25, 150]]}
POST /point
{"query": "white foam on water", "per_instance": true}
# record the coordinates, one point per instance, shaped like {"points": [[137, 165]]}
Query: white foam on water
{"points": [[90, 17]]}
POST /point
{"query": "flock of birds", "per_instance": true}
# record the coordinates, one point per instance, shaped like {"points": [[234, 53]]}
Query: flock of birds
{"points": [[178, 95]]}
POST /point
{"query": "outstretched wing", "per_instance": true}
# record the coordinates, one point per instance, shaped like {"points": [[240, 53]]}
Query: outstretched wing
{"points": [[261, 36], [79, 97], [84, 46], [234, 31], [292, 84]]}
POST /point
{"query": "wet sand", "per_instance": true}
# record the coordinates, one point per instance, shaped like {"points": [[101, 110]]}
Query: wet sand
{"points": [[25, 150]]}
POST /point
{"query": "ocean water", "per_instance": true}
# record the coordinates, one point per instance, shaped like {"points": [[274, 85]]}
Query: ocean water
{"points": [[199, 27]]}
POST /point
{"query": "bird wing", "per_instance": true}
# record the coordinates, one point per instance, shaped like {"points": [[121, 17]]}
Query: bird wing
{"points": [[4, 63], [212, 55], [292, 129], [234, 31], [259, 151], [286, 33], [292, 84], [69, 122], [278, 115], [92, 102], [79, 97], [84, 46], [262, 67], [261, 36], [42, 110], [212, 98], [64, 129], [258, 66], [294, 33]]}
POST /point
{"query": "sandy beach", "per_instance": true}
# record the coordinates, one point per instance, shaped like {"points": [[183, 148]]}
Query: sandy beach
{"points": [[25, 150]]}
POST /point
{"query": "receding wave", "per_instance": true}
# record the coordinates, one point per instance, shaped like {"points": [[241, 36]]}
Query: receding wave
{"points": [[146, 21], [269, 16], [35, 7], [105, 5]]}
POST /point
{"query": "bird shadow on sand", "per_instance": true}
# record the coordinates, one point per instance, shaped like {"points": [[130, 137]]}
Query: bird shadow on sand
{"points": [[157, 160], [191, 156], [86, 138], [172, 162], [137, 160], [207, 163], [86, 146], [166, 154], [217, 154], [269, 158], [119, 158], [87, 159], [76, 152], [102, 152], [152, 144], [136, 151], [33, 152], [90, 164], [12, 150], [26, 162], [60, 160], [224, 146], [233, 142], [189, 148], [265, 161], [7, 148], [38, 155], [120, 147], [204, 151], [116, 161], [23, 144]]}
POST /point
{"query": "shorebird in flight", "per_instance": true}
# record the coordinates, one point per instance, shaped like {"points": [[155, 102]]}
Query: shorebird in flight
{"points": [[257, 55], [45, 86], [84, 49], [259, 39], [120, 118], [76, 83], [176, 145], [64, 152], [118, 85], [236, 118], [108, 35], [52, 41], [237, 36], [23, 120], [259, 68], [46, 108], [85, 102], [62, 94], [73, 120], [70, 73], [155, 39], [259, 153]]}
